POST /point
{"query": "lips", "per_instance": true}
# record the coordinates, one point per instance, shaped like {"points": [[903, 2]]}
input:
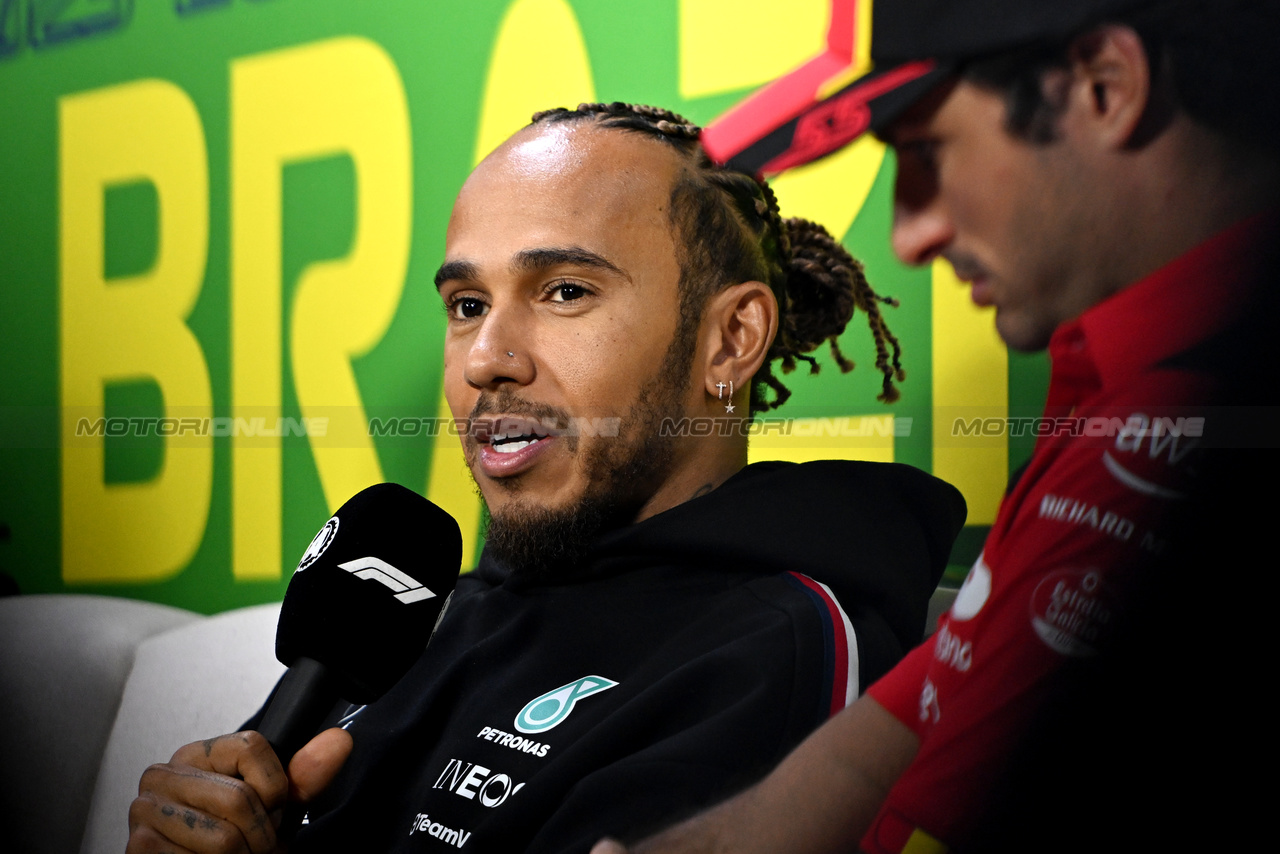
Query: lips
{"points": [[980, 292], [509, 435], [510, 444], [968, 270]]}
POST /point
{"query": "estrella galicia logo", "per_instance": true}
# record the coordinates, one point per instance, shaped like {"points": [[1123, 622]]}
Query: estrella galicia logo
{"points": [[547, 711], [319, 543]]}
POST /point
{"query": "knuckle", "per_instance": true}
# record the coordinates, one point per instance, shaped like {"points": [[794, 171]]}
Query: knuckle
{"points": [[141, 812], [152, 776], [145, 840], [193, 753], [251, 738], [244, 796], [222, 836], [256, 744], [241, 804]]}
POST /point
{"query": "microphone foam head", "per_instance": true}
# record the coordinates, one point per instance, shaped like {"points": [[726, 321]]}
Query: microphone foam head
{"points": [[369, 588]]}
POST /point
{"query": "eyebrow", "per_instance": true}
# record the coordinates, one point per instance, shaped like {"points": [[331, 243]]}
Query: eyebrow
{"points": [[462, 271], [533, 261]]}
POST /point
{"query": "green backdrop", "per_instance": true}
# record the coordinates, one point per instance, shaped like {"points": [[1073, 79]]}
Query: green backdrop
{"points": [[216, 211]]}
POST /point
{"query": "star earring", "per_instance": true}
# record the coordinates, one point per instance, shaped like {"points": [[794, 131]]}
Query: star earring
{"points": [[728, 407]]}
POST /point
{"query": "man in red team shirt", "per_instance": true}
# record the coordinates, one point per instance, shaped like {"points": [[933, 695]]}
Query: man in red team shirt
{"points": [[1105, 174]]}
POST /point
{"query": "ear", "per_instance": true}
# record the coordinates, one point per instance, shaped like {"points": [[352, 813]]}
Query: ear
{"points": [[1110, 84], [738, 328]]}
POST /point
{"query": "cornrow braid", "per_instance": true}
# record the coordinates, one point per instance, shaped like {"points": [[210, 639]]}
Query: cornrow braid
{"points": [[826, 283], [730, 230]]}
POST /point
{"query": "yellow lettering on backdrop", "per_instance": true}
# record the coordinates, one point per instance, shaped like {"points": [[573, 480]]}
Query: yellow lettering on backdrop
{"points": [[342, 96], [539, 60], [132, 328], [831, 191], [845, 437], [970, 378], [722, 49]]}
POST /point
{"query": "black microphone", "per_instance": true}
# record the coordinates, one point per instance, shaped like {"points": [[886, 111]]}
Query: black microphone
{"points": [[360, 608]]}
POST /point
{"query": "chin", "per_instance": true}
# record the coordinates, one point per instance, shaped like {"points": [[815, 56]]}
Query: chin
{"points": [[524, 490], [540, 542], [1025, 337], [513, 502]]}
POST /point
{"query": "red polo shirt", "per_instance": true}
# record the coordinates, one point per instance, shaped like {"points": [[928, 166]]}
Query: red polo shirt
{"points": [[1121, 443]]}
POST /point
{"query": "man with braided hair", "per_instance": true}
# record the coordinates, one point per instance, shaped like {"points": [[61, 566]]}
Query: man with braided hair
{"points": [[1105, 174], [652, 622]]}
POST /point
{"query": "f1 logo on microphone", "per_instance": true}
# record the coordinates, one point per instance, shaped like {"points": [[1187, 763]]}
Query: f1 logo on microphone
{"points": [[407, 588]]}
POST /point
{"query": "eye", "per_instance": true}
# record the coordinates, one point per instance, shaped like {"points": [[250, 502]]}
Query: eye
{"points": [[567, 291], [467, 308], [923, 151]]}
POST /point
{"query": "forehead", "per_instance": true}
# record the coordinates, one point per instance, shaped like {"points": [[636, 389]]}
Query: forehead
{"points": [[605, 190]]}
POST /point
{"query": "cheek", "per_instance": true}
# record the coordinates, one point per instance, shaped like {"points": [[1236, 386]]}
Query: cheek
{"points": [[458, 393], [980, 201], [591, 364], [586, 379]]}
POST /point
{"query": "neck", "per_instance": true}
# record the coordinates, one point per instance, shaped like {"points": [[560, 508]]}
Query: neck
{"points": [[704, 462], [1182, 189]]}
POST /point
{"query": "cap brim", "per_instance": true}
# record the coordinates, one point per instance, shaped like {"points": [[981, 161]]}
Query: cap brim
{"points": [[788, 123]]}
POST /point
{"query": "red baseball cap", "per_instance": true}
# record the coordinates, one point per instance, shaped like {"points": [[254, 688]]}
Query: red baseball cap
{"points": [[915, 45]]}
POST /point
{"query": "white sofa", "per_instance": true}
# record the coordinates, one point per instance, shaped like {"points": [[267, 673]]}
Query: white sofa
{"points": [[97, 689]]}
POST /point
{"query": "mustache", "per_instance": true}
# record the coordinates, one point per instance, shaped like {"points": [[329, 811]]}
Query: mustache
{"points": [[965, 266], [506, 402], [507, 406]]}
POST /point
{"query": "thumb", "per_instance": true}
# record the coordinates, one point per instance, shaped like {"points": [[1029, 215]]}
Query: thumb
{"points": [[608, 846], [313, 767]]}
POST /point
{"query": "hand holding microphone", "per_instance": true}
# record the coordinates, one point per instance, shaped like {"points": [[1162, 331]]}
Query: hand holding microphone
{"points": [[360, 608], [359, 611]]}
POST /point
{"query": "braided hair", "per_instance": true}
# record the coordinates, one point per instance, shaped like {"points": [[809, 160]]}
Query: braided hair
{"points": [[730, 231]]}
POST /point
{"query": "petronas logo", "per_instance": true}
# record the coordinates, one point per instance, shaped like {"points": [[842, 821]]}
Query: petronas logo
{"points": [[547, 711]]}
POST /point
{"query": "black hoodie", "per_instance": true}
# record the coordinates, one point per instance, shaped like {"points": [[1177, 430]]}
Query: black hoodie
{"points": [[685, 657]]}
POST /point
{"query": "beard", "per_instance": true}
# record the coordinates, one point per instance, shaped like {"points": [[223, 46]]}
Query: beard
{"points": [[623, 472]]}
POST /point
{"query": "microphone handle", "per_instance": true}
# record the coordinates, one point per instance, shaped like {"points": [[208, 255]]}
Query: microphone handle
{"points": [[305, 697]]}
